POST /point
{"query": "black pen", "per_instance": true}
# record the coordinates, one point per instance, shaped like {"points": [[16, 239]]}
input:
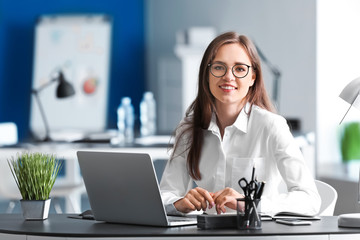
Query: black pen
{"points": [[256, 212], [253, 173], [257, 190], [260, 190]]}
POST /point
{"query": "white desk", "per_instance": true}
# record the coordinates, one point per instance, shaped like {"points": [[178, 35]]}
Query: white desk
{"points": [[70, 186]]}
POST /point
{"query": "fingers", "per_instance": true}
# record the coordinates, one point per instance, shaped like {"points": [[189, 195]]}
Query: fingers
{"points": [[205, 197], [184, 205], [199, 199], [196, 199], [220, 203], [226, 197]]}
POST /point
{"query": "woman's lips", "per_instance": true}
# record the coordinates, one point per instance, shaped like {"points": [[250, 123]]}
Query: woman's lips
{"points": [[228, 87]]}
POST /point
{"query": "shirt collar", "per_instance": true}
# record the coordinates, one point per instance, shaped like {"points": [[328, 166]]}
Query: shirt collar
{"points": [[240, 123], [213, 125]]}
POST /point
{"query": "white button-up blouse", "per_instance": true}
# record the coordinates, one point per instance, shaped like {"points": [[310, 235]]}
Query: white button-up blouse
{"points": [[261, 138]]}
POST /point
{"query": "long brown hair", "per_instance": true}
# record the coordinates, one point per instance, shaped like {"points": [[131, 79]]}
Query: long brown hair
{"points": [[198, 115]]}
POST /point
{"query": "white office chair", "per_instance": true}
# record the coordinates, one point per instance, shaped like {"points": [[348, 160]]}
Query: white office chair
{"points": [[8, 134], [328, 197], [8, 188]]}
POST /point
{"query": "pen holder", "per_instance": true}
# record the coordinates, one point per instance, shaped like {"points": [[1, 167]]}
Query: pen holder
{"points": [[249, 217]]}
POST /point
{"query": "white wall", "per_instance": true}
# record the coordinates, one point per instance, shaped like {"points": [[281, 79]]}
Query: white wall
{"points": [[284, 30], [338, 51]]}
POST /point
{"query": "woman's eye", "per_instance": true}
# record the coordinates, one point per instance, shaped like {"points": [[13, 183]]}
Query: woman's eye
{"points": [[219, 68], [240, 69]]}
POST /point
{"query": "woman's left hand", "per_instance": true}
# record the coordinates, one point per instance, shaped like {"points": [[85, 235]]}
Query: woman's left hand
{"points": [[226, 197]]}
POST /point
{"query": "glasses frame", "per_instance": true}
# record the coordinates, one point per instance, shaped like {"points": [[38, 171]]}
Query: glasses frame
{"points": [[232, 69]]}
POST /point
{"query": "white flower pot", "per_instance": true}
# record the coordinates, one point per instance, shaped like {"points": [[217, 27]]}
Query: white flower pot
{"points": [[35, 209]]}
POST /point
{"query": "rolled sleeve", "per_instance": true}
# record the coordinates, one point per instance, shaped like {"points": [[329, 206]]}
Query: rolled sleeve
{"points": [[302, 195], [175, 182]]}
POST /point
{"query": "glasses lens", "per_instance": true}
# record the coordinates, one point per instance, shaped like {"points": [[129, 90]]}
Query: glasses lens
{"points": [[218, 69], [240, 70]]}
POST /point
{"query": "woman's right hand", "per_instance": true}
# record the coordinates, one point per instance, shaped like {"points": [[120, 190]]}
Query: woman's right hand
{"points": [[196, 199]]}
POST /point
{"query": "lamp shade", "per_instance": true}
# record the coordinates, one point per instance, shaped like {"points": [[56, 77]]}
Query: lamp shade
{"points": [[351, 92], [64, 89]]}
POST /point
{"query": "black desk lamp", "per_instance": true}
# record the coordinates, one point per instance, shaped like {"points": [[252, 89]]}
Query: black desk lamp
{"points": [[276, 74], [64, 89]]}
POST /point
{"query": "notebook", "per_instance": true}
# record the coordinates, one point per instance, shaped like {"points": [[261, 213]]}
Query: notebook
{"points": [[123, 188]]}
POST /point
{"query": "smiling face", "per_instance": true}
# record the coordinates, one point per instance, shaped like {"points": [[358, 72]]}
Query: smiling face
{"points": [[229, 90]]}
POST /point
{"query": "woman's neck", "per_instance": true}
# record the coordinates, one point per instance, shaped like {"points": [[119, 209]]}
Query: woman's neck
{"points": [[226, 115]]}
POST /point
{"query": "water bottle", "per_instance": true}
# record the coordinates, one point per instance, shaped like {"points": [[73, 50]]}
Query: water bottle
{"points": [[120, 125], [125, 122], [148, 115]]}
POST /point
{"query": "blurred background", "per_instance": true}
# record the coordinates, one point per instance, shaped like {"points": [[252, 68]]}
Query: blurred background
{"points": [[127, 71], [149, 44], [309, 53]]}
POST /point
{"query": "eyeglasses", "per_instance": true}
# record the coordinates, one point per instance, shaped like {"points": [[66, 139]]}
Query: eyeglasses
{"points": [[220, 69]]}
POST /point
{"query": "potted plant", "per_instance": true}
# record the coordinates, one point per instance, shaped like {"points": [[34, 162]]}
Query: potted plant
{"points": [[350, 147], [350, 142], [35, 175]]}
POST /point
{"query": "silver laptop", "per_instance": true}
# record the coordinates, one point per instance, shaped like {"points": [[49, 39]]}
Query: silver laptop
{"points": [[123, 188]]}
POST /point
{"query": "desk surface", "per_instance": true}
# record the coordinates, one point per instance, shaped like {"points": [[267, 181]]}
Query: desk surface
{"points": [[59, 225]]}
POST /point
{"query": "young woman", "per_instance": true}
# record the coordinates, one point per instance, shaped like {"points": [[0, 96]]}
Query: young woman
{"points": [[229, 128]]}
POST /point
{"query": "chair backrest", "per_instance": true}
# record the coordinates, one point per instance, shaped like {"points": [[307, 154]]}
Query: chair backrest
{"points": [[8, 187], [8, 134], [328, 197]]}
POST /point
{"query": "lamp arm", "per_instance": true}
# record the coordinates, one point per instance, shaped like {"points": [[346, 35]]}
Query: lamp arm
{"points": [[353, 103], [36, 95], [42, 87], [345, 114], [276, 73], [274, 70], [276, 89]]}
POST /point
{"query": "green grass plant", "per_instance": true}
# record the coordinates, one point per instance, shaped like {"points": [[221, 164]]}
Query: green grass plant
{"points": [[350, 141], [34, 174]]}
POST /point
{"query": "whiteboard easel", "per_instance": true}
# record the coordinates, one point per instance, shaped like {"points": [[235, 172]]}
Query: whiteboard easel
{"points": [[79, 46]]}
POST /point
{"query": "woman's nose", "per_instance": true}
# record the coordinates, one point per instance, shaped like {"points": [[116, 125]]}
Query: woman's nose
{"points": [[229, 76]]}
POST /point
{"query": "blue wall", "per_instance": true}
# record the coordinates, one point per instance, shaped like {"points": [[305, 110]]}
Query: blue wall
{"points": [[17, 20]]}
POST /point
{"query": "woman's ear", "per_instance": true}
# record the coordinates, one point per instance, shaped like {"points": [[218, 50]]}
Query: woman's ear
{"points": [[253, 77]]}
